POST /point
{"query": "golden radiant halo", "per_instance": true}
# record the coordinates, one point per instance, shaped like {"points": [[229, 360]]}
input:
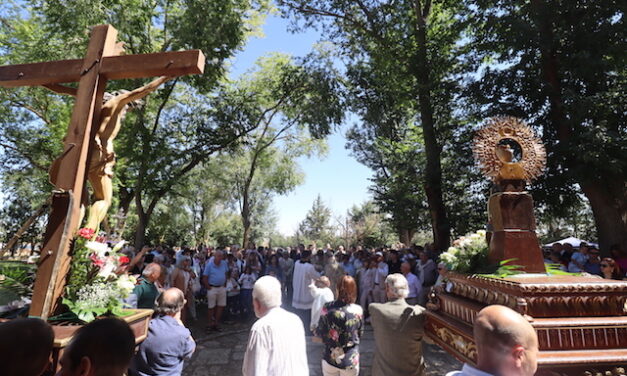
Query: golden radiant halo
{"points": [[500, 128]]}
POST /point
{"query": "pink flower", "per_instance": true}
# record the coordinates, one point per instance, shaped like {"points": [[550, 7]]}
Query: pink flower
{"points": [[86, 233], [334, 335], [97, 261], [124, 260]]}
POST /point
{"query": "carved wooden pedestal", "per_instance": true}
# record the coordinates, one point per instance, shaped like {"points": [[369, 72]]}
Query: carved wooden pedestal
{"points": [[513, 231], [581, 321]]}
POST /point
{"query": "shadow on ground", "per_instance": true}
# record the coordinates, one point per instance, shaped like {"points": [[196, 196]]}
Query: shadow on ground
{"points": [[222, 353]]}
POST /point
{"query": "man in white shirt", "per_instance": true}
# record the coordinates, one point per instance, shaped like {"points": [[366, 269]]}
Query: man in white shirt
{"points": [[304, 273], [506, 344], [412, 282], [276, 346]]}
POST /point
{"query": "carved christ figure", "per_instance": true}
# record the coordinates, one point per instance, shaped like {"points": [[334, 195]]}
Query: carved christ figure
{"points": [[102, 157]]}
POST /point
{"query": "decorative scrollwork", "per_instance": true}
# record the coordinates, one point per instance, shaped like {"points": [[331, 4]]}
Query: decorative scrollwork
{"points": [[495, 159]]}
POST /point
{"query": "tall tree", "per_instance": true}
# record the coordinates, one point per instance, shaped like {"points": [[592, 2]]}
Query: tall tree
{"points": [[561, 65], [414, 44], [367, 226], [316, 227], [296, 105], [176, 140]]}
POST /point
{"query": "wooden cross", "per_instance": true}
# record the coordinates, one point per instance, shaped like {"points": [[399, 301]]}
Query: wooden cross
{"points": [[101, 63]]}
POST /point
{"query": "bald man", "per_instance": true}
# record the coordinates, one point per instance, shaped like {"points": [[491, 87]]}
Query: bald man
{"points": [[507, 345], [169, 342]]}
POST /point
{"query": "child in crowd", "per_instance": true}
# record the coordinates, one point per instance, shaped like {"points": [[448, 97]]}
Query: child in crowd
{"points": [[247, 281], [319, 289], [232, 294]]}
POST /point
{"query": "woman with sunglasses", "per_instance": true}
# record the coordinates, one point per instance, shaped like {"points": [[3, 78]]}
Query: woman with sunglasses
{"points": [[610, 269]]}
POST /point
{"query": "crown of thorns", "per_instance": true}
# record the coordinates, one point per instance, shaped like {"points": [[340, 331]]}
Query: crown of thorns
{"points": [[500, 128]]}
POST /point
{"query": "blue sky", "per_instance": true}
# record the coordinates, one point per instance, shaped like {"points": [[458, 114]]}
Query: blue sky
{"points": [[339, 179]]}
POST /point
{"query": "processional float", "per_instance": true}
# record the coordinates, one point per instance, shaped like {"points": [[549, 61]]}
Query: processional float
{"points": [[581, 321]]}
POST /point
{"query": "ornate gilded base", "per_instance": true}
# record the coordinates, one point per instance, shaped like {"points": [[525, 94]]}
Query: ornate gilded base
{"points": [[581, 321]]}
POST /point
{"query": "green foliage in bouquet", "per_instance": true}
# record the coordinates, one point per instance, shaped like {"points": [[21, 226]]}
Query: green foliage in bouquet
{"points": [[95, 287], [555, 269], [505, 269]]}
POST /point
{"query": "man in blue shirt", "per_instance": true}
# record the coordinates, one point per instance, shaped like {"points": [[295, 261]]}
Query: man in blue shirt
{"points": [[214, 279], [168, 343], [348, 266]]}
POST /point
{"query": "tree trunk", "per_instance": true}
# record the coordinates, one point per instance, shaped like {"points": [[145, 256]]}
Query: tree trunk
{"points": [[433, 172], [607, 195], [140, 231], [405, 236], [610, 213], [246, 222], [125, 197]]}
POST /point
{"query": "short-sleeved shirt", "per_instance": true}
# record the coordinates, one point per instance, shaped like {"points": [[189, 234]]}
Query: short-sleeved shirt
{"points": [[162, 353], [341, 326], [216, 274], [146, 293], [580, 258]]}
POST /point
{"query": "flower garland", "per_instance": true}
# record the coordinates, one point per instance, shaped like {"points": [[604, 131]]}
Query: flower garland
{"points": [[95, 285]]}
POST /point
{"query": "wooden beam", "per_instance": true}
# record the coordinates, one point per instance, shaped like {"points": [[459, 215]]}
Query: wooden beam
{"points": [[152, 65], [113, 67], [55, 259]]}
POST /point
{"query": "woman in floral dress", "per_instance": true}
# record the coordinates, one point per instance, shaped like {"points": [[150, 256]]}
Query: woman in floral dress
{"points": [[340, 327]]}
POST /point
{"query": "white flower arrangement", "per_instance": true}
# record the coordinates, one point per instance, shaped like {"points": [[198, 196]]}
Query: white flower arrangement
{"points": [[467, 253]]}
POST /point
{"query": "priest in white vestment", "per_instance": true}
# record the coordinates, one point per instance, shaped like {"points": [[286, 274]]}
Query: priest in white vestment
{"points": [[304, 274], [276, 346]]}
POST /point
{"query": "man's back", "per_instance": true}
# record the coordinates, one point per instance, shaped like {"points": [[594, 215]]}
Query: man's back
{"points": [[398, 331], [276, 346], [304, 272], [167, 345]]}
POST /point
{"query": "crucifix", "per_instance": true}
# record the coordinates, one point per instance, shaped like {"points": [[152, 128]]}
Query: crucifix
{"points": [[87, 145]]}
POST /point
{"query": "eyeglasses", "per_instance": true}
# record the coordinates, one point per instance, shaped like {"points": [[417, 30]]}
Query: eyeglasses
{"points": [[604, 265]]}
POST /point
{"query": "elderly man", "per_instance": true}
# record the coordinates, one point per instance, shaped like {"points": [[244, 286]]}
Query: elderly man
{"points": [[101, 348], [413, 284], [276, 346], [146, 292], [214, 279], [169, 342], [506, 344], [25, 347], [397, 325]]}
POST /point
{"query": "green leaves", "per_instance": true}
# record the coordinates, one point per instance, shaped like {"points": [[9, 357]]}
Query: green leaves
{"points": [[316, 227]]}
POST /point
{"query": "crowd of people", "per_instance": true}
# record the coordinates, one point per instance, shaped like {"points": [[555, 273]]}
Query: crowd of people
{"points": [[587, 259], [328, 294]]}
